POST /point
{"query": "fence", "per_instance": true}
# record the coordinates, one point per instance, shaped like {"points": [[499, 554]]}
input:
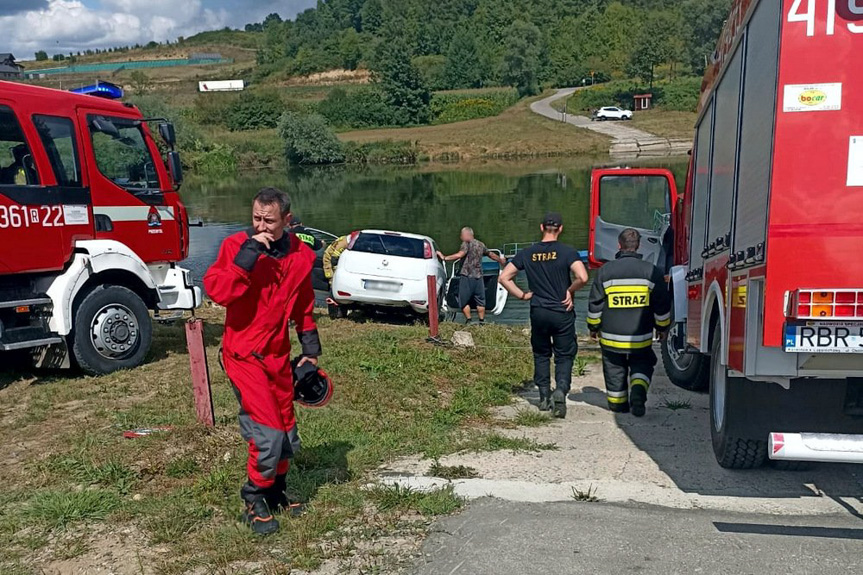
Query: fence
{"points": [[133, 65]]}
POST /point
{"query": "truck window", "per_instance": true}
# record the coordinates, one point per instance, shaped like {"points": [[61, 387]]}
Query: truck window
{"points": [[122, 154], [17, 167], [58, 138], [640, 202]]}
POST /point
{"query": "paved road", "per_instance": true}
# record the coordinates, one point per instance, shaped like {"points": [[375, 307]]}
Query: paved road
{"points": [[494, 537], [626, 140], [661, 496]]}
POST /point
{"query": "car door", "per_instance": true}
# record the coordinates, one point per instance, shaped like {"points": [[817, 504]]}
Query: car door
{"points": [[495, 294], [644, 199]]}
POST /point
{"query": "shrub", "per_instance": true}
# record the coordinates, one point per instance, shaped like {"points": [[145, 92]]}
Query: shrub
{"points": [[363, 107], [212, 108], [384, 152], [253, 111], [309, 140], [459, 106], [681, 94]]}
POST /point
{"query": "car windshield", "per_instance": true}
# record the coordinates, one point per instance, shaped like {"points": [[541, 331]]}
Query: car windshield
{"points": [[389, 245]]}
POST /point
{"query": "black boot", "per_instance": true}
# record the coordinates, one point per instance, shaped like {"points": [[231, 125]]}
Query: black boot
{"points": [[638, 399], [545, 399], [558, 399], [618, 407], [278, 500], [258, 516]]}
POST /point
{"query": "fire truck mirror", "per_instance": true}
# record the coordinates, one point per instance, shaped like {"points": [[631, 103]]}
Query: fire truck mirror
{"points": [[105, 126], [166, 130], [175, 167]]}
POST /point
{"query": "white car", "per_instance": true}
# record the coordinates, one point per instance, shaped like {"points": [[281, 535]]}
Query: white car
{"points": [[387, 269], [612, 113]]}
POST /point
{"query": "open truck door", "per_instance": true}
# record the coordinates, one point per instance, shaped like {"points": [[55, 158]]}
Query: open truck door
{"points": [[495, 294], [621, 198]]}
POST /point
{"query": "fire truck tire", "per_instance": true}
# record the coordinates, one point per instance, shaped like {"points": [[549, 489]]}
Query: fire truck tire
{"points": [[690, 371], [112, 330], [732, 452]]}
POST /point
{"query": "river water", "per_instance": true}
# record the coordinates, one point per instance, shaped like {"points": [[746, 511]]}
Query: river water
{"points": [[502, 202]]}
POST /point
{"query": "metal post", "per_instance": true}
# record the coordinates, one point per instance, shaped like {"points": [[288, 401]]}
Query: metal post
{"points": [[434, 312], [200, 372]]}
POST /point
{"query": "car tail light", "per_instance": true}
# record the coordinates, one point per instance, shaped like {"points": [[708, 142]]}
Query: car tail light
{"points": [[352, 239], [427, 250], [825, 304], [344, 293]]}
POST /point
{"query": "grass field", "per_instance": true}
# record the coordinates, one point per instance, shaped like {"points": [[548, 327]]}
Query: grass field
{"points": [[677, 125], [516, 133], [77, 496]]}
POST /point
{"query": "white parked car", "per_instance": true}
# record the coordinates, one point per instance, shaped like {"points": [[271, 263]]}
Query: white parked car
{"points": [[387, 269], [612, 113]]}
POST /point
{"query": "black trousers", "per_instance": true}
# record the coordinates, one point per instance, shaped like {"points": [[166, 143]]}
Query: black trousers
{"points": [[625, 370], [552, 333]]}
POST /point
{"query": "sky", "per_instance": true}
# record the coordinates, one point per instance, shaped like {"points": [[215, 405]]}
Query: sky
{"points": [[75, 25]]}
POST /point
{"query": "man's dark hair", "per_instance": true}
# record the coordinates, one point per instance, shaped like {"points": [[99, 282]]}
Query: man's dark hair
{"points": [[629, 240], [270, 196]]}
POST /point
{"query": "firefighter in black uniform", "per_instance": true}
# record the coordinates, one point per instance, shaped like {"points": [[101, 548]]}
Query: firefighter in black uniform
{"points": [[628, 300], [550, 266]]}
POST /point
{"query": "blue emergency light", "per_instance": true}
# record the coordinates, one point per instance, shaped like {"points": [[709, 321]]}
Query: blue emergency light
{"points": [[102, 90]]}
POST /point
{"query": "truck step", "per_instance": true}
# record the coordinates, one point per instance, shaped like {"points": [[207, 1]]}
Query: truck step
{"points": [[32, 300], [831, 447], [24, 337]]}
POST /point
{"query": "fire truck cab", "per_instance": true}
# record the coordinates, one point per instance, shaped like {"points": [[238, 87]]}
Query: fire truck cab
{"points": [[91, 229], [763, 247]]}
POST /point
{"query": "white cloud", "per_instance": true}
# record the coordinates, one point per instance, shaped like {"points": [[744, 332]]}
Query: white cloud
{"points": [[69, 25], [74, 25]]}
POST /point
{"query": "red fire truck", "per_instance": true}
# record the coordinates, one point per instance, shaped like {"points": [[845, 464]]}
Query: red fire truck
{"points": [[91, 229], [763, 247]]}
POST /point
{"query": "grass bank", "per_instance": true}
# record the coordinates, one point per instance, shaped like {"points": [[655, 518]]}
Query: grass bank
{"points": [[668, 124], [515, 133], [77, 496]]}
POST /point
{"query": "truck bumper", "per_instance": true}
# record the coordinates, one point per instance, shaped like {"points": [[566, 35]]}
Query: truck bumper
{"points": [[177, 292], [831, 447]]}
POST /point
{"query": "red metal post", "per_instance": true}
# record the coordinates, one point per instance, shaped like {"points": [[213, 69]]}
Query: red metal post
{"points": [[200, 372], [434, 313]]}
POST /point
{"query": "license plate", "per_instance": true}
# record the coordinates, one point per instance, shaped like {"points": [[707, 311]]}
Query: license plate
{"points": [[824, 337], [382, 286]]}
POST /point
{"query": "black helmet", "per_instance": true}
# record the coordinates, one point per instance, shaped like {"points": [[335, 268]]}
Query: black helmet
{"points": [[312, 386]]}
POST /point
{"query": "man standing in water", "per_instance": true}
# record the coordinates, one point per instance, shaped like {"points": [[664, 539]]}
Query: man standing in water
{"points": [[471, 288], [263, 278], [554, 273]]}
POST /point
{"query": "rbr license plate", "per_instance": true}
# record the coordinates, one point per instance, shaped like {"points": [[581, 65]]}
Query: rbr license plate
{"points": [[824, 337]]}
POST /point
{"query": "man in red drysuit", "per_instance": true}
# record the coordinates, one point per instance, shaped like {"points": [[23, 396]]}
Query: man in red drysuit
{"points": [[263, 279]]}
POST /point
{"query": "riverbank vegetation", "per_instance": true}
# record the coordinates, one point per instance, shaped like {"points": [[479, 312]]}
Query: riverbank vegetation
{"points": [[77, 495]]}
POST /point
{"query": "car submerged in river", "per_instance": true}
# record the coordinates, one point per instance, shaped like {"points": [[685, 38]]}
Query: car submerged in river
{"points": [[388, 269]]}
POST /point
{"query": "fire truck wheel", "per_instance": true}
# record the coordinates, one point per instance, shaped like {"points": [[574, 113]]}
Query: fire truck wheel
{"points": [[731, 452], [112, 330], [689, 371]]}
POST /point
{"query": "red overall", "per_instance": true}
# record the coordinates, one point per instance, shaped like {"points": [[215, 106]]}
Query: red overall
{"points": [[262, 294]]}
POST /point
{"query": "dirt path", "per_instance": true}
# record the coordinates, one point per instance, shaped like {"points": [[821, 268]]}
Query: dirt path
{"points": [[663, 459], [626, 140]]}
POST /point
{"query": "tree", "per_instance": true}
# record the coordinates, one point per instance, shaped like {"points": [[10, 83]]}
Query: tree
{"points": [[41, 56], [141, 83], [703, 21], [653, 46], [521, 58], [309, 140], [463, 69], [400, 81]]}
